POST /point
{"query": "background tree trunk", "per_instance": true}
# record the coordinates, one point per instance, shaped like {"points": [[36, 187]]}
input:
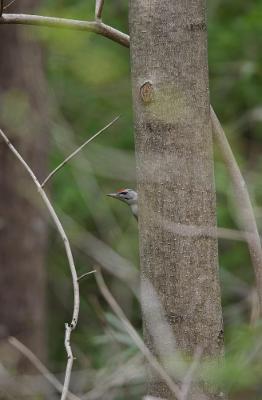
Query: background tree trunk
{"points": [[175, 173], [24, 117]]}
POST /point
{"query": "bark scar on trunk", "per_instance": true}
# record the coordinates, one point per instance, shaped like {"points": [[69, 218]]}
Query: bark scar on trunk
{"points": [[147, 92], [201, 26]]}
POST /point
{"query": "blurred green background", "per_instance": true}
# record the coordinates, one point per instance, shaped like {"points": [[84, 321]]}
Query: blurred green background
{"points": [[89, 84], [90, 80]]}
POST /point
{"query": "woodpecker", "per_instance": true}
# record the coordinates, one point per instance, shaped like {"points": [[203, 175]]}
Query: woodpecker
{"points": [[128, 196]]}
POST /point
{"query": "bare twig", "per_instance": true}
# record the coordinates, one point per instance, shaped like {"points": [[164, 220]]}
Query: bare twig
{"points": [[194, 231], [40, 366], [231, 234], [245, 209], [89, 26], [8, 5], [136, 338], [69, 327], [77, 151], [87, 273], [99, 9]]}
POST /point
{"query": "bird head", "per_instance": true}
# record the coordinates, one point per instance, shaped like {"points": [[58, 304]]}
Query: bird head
{"points": [[128, 196]]}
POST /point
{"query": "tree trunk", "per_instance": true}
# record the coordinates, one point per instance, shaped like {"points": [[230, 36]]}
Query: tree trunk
{"points": [[24, 116], [175, 174]]}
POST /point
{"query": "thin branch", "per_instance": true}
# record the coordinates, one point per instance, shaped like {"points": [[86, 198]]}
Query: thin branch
{"points": [[87, 273], [89, 26], [8, 5], [69, 327], [136, 338], [245, 209], [231, 234], [40, 366], [99, 9], [77, 151], [194, 231]]}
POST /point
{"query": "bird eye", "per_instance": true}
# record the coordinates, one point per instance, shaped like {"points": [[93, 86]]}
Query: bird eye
{"points": [[124, 193]]}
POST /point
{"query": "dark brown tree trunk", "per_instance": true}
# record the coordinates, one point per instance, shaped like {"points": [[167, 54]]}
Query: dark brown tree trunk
{"points": [[175, 174], [23, 234]]}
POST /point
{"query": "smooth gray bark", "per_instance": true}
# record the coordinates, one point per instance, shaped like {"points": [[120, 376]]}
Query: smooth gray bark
{"points": [[175, 174]]}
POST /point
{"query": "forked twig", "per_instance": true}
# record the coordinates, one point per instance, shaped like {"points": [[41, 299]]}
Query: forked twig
{"points": [[69, 327], [136, 338], [243, 202], [40, 366], [77, 151], [89, 26]]}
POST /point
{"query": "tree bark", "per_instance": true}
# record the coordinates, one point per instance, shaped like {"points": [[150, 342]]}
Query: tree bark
{"points": [[23, 234], [175, 175]]}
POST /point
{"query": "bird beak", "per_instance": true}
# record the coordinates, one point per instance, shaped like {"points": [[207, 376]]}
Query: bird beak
{"points": [[114, 195]]}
